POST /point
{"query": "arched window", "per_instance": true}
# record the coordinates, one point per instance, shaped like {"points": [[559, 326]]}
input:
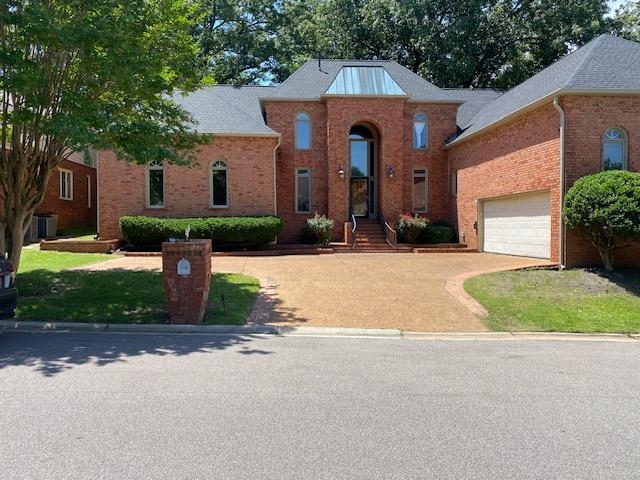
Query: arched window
{"points": [[155, 184], [420, 131], [303, 131], [614, 149], [219, 184]]}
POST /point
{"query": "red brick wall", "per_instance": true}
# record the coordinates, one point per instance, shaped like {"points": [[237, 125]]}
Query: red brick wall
{"points": [[187, 191], [392, 120], [442, 123], [517, 157], [281, 118], [75, 212], [587, 117]]}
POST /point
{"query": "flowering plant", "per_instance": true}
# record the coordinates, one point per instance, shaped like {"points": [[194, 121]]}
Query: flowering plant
{"points": [[321, 226], [410, 227]]}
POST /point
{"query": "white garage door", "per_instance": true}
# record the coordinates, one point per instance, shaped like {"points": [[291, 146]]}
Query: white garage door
{"points": [[518, 225]]}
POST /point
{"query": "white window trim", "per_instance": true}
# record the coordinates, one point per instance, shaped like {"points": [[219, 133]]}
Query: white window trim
{"points": [[216, 166], [624, 141], [420, 173], [307, 175], [426, 132], [155, 166], [88, 191], [295, 131], [67, 195]]}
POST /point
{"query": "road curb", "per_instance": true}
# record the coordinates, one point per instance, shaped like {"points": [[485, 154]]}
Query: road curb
{"points": [[251, 329]]}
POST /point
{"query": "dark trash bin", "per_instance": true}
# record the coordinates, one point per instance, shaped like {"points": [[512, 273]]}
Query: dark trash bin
{"points": [[8, 291]]}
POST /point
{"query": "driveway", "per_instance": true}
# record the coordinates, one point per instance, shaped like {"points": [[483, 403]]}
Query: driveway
{"points": [[378, 290]]}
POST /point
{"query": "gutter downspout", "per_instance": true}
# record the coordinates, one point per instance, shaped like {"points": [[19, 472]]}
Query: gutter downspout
{"points": [[275, 190], [561, 246]]}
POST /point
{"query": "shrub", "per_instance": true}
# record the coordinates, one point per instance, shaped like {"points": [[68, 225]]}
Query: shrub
{"points": [[411, 228], [321, 226], [437, 234], [152, 231], [604, 207]]}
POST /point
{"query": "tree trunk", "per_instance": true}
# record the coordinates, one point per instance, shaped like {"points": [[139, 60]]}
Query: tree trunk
{"points": [[607, 255]]}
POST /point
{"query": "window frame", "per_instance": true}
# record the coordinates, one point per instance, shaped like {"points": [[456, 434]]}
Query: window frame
{"points": [[65, 190], [302, 118], [623, 141], [219, 165], [298, 175], [88, 191], [155, 166], [414, 133], [420, 173], [454, 183]]}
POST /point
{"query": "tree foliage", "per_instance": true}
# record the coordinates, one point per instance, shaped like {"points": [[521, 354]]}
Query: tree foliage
{"points": [[605, 207], [628, 20], [79, 74], [480, 43]]}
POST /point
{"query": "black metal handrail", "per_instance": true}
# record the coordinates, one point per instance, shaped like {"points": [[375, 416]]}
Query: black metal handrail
{"points": [[391, 235], [354, 225]]}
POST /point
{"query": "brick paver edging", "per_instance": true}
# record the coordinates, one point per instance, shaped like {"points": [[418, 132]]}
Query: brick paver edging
{"points": [[455, 286]]}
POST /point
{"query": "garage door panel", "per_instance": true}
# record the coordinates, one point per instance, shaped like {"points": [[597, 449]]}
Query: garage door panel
{"points": [[518, 225]]}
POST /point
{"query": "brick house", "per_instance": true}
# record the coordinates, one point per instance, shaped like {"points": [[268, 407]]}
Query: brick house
{"points": [[71, 194], [373, 140]]}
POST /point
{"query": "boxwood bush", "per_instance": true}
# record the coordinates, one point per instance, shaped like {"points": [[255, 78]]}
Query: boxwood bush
{"points": [[152, 231]]}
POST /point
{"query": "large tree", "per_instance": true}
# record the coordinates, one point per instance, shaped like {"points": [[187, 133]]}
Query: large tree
{"points": [[83, 73], [480, 43], [628, 20]]}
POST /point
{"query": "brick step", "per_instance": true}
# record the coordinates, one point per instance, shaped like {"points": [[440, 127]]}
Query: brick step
{"points": [[372, 239]]}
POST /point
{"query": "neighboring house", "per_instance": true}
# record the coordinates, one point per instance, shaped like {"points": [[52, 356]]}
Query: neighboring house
{"points": [[71, 195], [372, 139]]}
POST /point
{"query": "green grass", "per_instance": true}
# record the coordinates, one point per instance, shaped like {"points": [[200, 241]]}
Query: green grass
{"points": [[49, 292], [33, 259], [78, 233], [570, 301]]}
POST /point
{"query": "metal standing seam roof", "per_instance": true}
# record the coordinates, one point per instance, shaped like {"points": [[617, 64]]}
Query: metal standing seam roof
{"points": [[605, 64], [311, 81], [226, 109]]}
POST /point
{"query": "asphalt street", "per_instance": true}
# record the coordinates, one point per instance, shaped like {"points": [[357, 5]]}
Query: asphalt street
{"points": [[148, 406]]}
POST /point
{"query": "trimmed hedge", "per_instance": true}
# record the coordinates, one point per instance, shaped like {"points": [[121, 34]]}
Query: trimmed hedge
{"points": [[152, 231], [432, 234]]}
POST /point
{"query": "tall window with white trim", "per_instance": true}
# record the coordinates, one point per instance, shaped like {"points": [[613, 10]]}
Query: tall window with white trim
{"points": [[219, 184], [614, 149], [155, 184], [420, 131], [303, 131], [66, 184], [303, 190]]}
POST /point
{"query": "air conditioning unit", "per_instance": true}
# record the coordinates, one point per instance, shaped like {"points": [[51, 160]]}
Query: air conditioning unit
{"points": [[47, 226]]}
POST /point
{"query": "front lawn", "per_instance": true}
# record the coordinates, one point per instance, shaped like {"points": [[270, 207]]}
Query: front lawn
{"points": [[49, 292], [577, 300]]}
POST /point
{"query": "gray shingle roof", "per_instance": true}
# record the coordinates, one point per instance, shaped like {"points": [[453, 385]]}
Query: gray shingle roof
{"points": [[606, 63], [474, 100], [225, 109], [310, 83]]}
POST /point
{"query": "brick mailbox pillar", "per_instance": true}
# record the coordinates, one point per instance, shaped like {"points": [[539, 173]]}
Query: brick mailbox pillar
{"points": [[186, 272]]}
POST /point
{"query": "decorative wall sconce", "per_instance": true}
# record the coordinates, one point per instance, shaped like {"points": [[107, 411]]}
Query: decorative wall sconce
{"points": [[341, 172], [391, 172]]}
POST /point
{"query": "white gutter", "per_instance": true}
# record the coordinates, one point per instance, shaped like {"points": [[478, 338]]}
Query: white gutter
{"points": [[561, 249], [275, 190]]}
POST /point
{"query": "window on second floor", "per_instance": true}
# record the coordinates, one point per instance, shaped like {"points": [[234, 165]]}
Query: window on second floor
{"points": [[420, 131], [303, 131]]}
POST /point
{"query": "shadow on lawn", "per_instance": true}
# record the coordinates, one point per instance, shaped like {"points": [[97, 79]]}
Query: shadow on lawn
{"points": [[625, 278], [119, 296], [53, 353]]}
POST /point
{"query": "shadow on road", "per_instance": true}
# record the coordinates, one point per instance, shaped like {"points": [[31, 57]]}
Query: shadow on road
{"points": [[52, 353]]}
